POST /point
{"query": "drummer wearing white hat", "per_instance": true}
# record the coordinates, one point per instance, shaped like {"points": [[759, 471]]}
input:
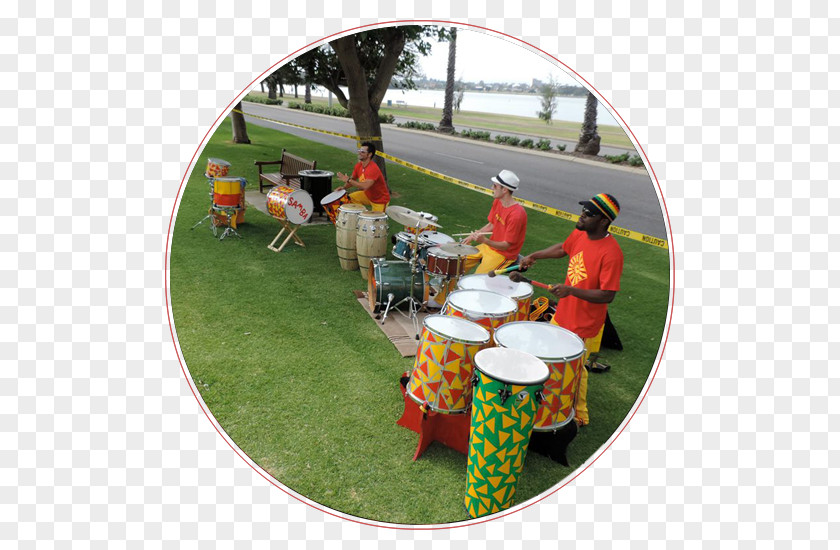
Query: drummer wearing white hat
{"points": [[506, 226]]}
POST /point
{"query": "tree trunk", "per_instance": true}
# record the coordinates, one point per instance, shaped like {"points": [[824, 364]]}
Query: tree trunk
{"points": [[307, 93], [589, 142], [240, 130], [446, 121], [272, 89]]}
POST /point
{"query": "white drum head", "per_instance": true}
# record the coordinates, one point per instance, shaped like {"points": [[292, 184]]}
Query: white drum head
{"points": [[544, 340], [351, 207], [405, 237], [482, 301], [498, 284], [457, 328], [435, 238], [511, 366], [332, 197], [299, 207]]}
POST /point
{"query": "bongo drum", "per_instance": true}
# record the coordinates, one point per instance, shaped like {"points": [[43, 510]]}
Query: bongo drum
{"points": [[440, 262], [330, 203], [345, 235], [488, 309], [371, 238], [217, 168], [521, 292], [394, 278], [443, 366], [562, 351], [506, 398], [286, 204], [423, 227]]}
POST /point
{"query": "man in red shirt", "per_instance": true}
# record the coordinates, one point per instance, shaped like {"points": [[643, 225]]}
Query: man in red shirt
{"points": [[368, 178], [592, 280], [506, 223]]}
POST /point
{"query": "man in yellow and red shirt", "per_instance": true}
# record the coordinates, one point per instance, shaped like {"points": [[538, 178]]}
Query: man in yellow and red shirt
{"points": [[368, 178], [592, 280]]}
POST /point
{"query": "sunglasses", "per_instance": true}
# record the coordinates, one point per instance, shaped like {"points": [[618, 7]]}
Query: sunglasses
{"points": [[588, 213]]}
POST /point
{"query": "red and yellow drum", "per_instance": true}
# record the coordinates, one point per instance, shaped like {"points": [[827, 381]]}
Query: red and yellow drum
{"points": [[332, 202], [488, 309], [563, 352], [506, 398], [217, 168], [521, 292], [287, 204], [443, 367]]}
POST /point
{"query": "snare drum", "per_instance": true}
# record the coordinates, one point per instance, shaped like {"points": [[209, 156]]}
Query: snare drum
{"points": [[331, 203], [440, 262], [430, 239], [562, 351], [345, 235], [217, 168], [286, 204], [506, 398], [488, 309], [371, 238], [423, 227], [521, 292], [443, 365], [394, 278]]}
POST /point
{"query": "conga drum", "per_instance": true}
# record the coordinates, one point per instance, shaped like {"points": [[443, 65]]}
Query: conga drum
{"points": [[330, 203], [521, 292], [287, 204], [506, 398], [443, 366], [486, 308], [371, 239], [217, 168], [394, 278], [562, 351], [345, 235]]}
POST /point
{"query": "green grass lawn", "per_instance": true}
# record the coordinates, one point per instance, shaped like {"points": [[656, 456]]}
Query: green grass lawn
{"points": [[307, 385]]}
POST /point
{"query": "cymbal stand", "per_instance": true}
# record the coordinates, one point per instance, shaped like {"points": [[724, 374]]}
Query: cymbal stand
{"points": [[413, 303]]}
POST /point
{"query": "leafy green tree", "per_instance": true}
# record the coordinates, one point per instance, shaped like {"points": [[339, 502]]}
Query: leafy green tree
{"points": [[548, 102]]}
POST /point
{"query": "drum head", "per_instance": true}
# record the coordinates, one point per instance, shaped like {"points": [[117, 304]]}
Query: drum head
{"points": [[405, 237], [482, 301], [351, 207], [299, 207], [332, 197], [498, 284], [511, 366], [457, 328], [435, 238], [544, 340], [372, 216]]}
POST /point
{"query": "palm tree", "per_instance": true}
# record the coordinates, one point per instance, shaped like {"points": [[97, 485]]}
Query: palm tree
{"points": [[446, 121], [589, 142], [240, 130]]}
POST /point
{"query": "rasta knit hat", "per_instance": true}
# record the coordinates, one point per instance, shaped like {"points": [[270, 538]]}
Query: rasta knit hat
{"points": [[603, 204]]}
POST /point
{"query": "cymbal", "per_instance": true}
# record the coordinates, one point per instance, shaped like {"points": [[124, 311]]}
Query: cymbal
{"points": [[459, 249], [409, 217]]}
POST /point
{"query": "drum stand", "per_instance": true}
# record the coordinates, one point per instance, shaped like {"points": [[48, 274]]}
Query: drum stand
{"points": [[414, 305], [292, 233], [209, 212], [453, 430]]}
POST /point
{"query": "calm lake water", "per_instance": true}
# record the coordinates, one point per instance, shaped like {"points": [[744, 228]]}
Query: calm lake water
{"points": [[526, 105]]}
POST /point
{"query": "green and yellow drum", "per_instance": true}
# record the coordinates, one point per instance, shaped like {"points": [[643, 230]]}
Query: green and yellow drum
{"points": [[506, 398]]}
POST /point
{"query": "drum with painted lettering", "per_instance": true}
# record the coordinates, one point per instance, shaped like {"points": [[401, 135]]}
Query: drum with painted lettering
{"points": [[506, 397], [563, 352], [287, 204], [345, 235], [521, 292]]}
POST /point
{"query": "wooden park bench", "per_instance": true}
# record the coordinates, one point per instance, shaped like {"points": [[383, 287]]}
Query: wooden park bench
{"points": [[287, 174]]}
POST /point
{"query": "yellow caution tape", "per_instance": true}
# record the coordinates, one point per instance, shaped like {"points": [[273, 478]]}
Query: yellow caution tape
{"points": [[634, 235]]}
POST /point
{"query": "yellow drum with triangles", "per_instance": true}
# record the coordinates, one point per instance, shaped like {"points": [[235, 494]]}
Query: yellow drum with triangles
{"points": [[443, 367], [506, 398]]}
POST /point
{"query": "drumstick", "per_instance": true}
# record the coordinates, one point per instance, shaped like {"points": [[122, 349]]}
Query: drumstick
{"points": [[519, 278], [503, 271], [465, 234]]}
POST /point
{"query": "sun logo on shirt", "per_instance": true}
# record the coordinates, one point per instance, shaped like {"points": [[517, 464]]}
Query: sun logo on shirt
{"points": [[577, 269]]}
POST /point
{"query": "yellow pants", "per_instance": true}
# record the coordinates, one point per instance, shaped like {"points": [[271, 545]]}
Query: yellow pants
{"points": [[359, 197], [592, 345], [487, 260]]}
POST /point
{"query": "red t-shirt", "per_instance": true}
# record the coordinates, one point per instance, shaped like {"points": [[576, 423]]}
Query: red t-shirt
{"points": [[509, 225], [592, 265], [378, 192]]}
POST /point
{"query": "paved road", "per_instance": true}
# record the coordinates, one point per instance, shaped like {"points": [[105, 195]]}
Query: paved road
{"points": [[545, 179]]}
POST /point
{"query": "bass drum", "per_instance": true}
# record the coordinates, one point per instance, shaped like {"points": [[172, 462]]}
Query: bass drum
{"points": [[386, 277]]}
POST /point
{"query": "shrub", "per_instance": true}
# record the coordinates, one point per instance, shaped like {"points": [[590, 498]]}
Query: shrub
{"points": [[263, 99], [561, 146], [527, 143], [635, 160], [544, 145], [615, 159], [513, 140]]}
